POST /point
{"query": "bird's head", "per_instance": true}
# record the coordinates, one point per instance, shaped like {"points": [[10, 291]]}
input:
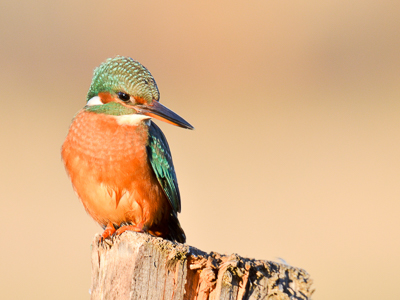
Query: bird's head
{"points": [[122, 86]]}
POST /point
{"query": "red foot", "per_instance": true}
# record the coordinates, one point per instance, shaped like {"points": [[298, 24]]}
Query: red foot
{"points": [[109, 231], [136, 228]]}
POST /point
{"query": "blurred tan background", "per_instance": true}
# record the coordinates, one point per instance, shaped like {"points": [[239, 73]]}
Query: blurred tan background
{"points": [[296, 148]]}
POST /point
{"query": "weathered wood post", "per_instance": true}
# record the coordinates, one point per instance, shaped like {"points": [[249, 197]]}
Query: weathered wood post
{"points": [[139, 266]]}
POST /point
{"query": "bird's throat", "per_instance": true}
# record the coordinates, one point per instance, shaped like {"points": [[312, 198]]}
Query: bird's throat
{"points": [[111, 108]]}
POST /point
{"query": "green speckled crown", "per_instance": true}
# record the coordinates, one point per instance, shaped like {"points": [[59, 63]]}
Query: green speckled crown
{"points": [[123, 74]]}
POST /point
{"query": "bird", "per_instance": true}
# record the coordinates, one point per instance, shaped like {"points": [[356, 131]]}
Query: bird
{"points": [[119, 160]]}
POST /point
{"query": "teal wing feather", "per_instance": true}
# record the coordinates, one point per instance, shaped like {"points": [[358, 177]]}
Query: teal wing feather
{"points": [[161, 160]]}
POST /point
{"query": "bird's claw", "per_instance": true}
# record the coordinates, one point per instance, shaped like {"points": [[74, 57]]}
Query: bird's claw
{"points": [[110, 232], [107, 233], [136, 228]]}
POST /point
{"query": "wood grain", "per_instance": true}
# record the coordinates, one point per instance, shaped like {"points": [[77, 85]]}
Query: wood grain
{"points": [[140, 266]]}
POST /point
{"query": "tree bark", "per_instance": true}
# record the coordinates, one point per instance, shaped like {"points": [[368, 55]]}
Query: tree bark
{"points": [[140, 266]]}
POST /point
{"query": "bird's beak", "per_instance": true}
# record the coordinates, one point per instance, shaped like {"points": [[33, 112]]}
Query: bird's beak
{"points": [[158, 111]]}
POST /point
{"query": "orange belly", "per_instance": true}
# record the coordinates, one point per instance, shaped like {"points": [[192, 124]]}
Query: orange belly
{"points": [[110, 172]]}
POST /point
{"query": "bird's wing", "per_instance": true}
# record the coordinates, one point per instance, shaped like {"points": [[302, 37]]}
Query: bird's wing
{"points": [[161, 160]]}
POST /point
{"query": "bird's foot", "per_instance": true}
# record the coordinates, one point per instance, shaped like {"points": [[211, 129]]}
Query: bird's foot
{"points": [[136, 228], [108, 232]]}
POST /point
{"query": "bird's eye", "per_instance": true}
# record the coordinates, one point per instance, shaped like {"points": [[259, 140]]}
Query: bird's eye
{"points": [[123, 96]]}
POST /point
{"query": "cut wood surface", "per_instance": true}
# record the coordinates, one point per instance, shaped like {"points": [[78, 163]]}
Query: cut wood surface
{"points": [[140, 266]]}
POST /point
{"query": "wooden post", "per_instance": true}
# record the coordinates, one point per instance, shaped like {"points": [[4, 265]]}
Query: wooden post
{"points": [[140, 266]]}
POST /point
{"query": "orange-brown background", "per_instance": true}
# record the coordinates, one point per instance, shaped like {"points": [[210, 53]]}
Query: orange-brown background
{"points": [[296, 148]]}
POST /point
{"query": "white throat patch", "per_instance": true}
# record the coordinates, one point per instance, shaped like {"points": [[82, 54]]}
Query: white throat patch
{"points": [[133, 119], [94, 101]]}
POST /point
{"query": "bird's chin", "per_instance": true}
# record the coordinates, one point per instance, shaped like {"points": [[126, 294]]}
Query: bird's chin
{"points": [[133, 119]]}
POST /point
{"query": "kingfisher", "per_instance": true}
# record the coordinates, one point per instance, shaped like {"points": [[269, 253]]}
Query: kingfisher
{"points": [[118, 160]]}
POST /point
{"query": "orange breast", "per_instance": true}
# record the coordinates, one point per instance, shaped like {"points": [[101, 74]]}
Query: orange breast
{"points": [[109, 169]]}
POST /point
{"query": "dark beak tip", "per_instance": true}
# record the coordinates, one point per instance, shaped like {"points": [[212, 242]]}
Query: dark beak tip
{"points": [[185, 125], [165, 114]]}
